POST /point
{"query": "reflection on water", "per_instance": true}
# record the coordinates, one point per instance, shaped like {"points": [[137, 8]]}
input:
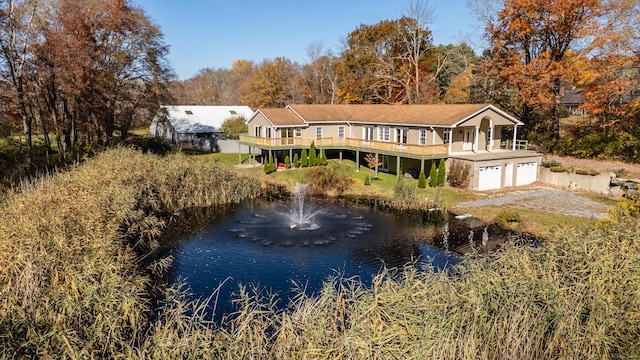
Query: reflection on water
{"points": [[256, 244]]}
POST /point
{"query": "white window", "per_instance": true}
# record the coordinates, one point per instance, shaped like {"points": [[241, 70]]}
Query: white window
{"points": [[367, 133], [298, 132], [422, 140], [318, 132], [267, 132], [258, 131], [341, 132], [384, 133], [446, 136]]}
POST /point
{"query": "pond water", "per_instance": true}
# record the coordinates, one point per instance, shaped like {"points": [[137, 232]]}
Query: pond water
{"points": [[274, 245]]}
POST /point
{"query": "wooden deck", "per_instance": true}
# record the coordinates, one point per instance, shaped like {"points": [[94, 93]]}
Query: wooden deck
{"points": [[347, 144]]}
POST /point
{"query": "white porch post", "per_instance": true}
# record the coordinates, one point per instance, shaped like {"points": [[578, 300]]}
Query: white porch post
{"points": [[475, 140], [515, 132]]}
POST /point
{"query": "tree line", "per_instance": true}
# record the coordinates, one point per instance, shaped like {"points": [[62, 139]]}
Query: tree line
{"points": [[81, 71]]}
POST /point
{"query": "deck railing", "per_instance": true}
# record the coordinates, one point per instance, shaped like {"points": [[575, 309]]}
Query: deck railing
{"points": [[347, 143]]}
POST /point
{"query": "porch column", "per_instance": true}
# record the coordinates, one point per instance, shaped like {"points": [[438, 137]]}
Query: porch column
{"points": [[377, 156], [398, 166], [475, 140], [290, 156], [340, 155], [270, 155], [357, 160], [421, 164], [515, 133]]}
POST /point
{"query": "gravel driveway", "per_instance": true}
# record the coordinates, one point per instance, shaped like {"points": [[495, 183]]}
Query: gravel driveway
{"points": [[544, 199]]}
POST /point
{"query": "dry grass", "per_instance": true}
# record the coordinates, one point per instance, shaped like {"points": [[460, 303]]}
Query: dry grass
{"points": [[71, 287]]}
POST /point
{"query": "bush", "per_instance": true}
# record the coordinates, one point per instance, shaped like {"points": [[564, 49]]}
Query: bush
{"points": [[590, 172], [441, 173], [404, 194], [422, 180], [313, 156], [330, 178], [560, 169], [367, 180], [303, 158], [287, 162], [459, 174], [550, 164], [433, 175], [323, 158], [296, 161]]}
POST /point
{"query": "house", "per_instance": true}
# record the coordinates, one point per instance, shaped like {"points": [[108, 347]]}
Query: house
{"points": [[405, 138], [195, 126]]}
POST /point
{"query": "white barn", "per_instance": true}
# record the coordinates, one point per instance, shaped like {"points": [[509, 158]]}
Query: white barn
{"points": [[195, 126]]}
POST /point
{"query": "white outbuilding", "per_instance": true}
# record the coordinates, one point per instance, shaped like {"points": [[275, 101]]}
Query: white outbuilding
{"points": [[196, 126]]}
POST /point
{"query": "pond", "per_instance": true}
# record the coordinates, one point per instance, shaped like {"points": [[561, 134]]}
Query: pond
{"points": [[277, 245]]}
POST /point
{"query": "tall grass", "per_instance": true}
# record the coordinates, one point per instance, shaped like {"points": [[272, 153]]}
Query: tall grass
{"points": [[71, 285]]}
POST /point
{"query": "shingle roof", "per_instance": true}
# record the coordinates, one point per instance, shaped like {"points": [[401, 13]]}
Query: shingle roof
{"points": [[282, 117], [202, 118], [434, 115]]}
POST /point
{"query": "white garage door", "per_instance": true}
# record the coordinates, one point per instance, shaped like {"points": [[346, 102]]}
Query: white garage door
{"points": [[489, 177], [526, 173]]}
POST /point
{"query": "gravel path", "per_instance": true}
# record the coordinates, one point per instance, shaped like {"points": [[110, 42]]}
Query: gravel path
{"points": [[544, 199]]}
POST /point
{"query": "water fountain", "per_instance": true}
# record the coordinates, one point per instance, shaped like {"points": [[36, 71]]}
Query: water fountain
{"points": [[302, 218]]}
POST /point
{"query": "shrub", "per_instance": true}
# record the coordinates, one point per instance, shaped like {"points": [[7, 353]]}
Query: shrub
{"points": [[330, 178], [296, 161], [422, 180], [459, 174], [323, 158], [587, 172], [303, 158], [621, 172], [313, 156], [367, 180], [559, 169], [433, 175], [287, 162], [404, 194], [550, 163], [441, 173], [506, 217]]}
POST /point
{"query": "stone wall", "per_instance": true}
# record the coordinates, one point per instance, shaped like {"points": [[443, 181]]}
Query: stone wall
{"points": [[599, 183]]}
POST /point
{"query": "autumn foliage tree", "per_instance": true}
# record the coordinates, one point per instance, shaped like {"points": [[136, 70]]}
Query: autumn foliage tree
{"points": [[531, 51]]}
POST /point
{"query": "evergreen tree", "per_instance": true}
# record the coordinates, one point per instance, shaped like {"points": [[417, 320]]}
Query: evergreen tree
{"points": [[441, 173], [422, 180], [433, 175], [367, 180], [287, 162], [296, 161], [323, 158], [266, 167], [313, 156], [303, 158]]}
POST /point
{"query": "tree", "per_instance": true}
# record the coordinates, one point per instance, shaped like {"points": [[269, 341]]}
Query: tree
{"points": [[287, 162], [422, 180], [531, 42], [372, 162], [234, 126], [433, 175], [323, 158], [313, 155], [441, 173], [273, 83], [296, 161], [303, 158]]}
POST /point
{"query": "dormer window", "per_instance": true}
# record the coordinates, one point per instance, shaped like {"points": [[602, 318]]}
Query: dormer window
{"points": [[188, 112]]}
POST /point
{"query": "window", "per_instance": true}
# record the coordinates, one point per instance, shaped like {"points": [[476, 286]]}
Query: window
{"points": [[267, 132], [258, 131], [383, 133], [298, 132], [401, 135], [446, 136], [367, 133], [318, 132], [341, 132], [422, 140]]}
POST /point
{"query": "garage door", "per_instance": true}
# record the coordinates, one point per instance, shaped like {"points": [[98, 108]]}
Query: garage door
{"points": [[526, 173], [489, 177]]}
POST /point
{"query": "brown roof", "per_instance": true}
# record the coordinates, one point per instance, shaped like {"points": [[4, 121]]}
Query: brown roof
{"points": [[434, 114], [282, 117]]}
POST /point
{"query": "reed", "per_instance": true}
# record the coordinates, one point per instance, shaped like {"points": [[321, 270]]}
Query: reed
{"points": [[70, 244], [71, 285]]}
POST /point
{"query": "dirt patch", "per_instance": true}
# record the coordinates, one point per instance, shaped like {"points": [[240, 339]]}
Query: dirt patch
{"points": [[602, 166], [544, 199]]}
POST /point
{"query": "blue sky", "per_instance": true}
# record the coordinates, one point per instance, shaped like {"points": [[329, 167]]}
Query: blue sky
{"points": [[214, 33]]}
